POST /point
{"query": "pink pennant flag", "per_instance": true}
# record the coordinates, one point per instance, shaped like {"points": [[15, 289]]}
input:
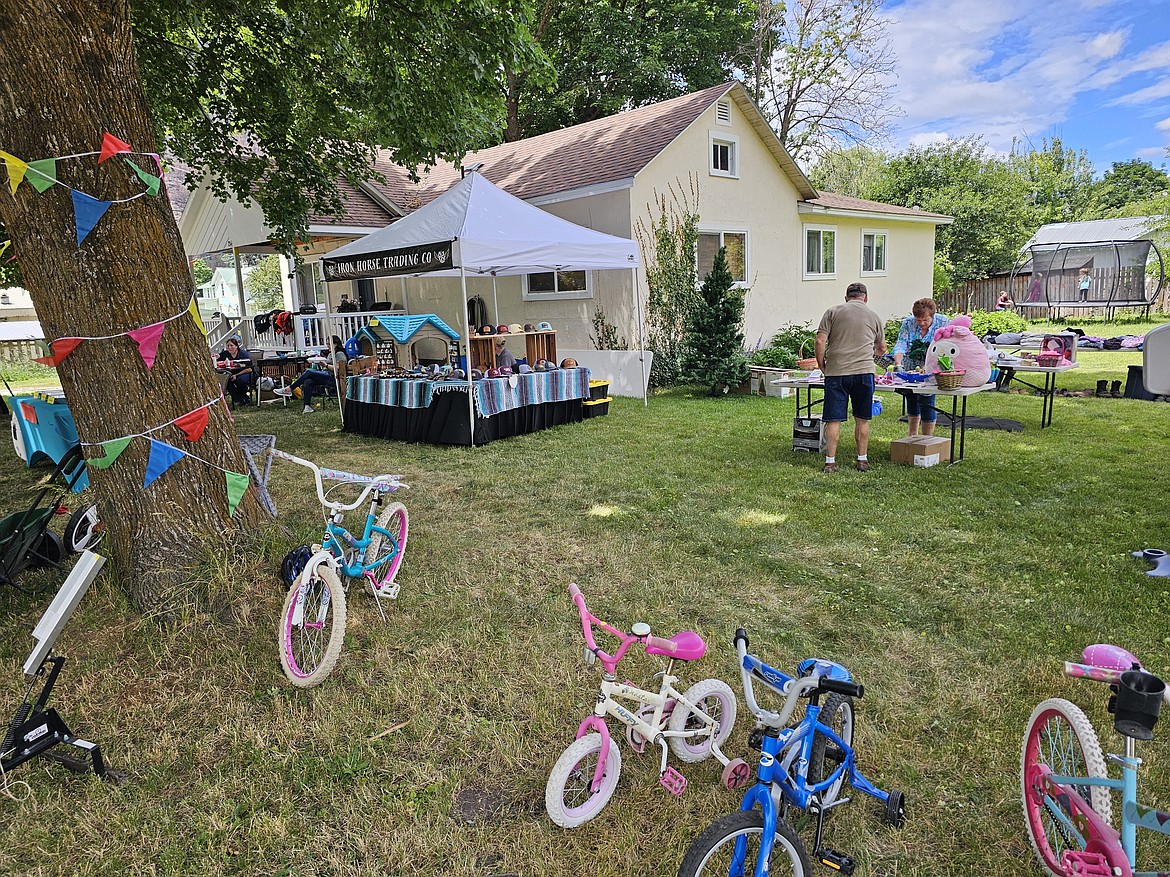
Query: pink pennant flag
{"points": [[58, 350], [147, 339], [193, 423], [111, 146]]}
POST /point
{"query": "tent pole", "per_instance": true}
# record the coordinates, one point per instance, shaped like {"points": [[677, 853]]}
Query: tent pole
{"points": [[495, 301], [641, 339], [467, 341]]}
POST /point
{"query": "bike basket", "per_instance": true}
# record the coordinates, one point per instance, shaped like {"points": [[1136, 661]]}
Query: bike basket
{"points": [[1139, 700]]}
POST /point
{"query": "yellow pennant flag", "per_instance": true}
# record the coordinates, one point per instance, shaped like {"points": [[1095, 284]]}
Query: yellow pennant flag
{"points": [[16, 169], [4, 246], [194, 311]]}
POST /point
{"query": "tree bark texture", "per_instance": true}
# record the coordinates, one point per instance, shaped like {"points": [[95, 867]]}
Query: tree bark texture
{"points": [[68, 73]]}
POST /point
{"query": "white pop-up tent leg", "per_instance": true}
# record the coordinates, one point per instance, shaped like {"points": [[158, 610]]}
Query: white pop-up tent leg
{"points": [[495, 301], [467, 342], [641, 335]]}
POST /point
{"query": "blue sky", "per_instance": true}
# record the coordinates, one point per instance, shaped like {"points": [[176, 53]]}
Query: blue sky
{"points": [[1095, 73]]}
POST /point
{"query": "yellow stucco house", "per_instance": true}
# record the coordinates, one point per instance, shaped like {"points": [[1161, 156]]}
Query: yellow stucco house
{"points": [[795, 249]]}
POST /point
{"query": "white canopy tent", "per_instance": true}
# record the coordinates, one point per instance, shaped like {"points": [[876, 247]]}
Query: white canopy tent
{"points": [[479, 229]]}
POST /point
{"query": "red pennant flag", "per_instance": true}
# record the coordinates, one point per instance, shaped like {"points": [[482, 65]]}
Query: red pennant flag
{"points": [[59, 349], [193, 423], [147, 338], [111, 146]]}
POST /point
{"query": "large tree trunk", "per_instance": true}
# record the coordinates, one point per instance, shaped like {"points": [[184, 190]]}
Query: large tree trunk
{"points": [[67, 74]]}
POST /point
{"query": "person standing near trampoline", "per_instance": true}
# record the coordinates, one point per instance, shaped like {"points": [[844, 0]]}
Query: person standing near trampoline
{"points": [[849, 336], [1036, 287]]}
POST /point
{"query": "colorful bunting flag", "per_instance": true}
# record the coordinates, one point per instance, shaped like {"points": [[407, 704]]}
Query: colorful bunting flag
{"points": [[58, 350], [152, 182], [113, 449], [111, 146], [194, 311], [193, 423], [43, 173], [86, 212], [16, 169], [162, 458], [148, 338], [4, 246], [237, 484]]}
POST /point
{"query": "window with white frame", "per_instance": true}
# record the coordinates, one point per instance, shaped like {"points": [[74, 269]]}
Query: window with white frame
{"points": [[820, 252], [873, 251], [724, 150], [550, 285], [735, 243]]}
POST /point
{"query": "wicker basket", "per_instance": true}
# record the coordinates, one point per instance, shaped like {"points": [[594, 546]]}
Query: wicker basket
{"points": [[1048, 359], [949, 380], [803, 363]]}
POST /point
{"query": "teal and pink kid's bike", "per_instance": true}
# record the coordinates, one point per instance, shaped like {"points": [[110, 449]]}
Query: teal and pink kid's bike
{"points": [[692, 724], [806, 767], [312, 623], [1068, 807]]}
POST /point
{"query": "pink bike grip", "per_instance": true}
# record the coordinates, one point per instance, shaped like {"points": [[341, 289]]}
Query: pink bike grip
{"points": [[659, 643], [574, 591], [1087, 671]]}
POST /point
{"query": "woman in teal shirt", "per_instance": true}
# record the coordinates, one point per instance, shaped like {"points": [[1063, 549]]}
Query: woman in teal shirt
{"points": [[913, 340]]}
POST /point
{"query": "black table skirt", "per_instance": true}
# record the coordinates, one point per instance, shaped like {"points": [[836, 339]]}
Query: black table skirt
{"points": [[444, 421]]}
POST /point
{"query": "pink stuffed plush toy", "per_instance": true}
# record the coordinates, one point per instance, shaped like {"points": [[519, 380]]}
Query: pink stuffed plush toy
{"points": [[967, 352]]}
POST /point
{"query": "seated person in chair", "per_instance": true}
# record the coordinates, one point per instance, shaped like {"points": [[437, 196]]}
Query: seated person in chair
{"points": [[236, 363], [312, 379]]}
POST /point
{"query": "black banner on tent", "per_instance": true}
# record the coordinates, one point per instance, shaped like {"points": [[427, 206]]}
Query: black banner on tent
{"points": [[407, 260]]}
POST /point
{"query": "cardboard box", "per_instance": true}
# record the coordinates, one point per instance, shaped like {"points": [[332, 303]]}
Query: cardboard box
{"points": [[808, 434], [929, 450]]}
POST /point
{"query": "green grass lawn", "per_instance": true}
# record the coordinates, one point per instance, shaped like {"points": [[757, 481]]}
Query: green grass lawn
{"points": [[953, 594]]}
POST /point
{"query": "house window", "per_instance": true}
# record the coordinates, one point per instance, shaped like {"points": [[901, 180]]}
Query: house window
{"points": [[724, 154], [873, 252], [557, 285], [736, 244], [820, 252]]}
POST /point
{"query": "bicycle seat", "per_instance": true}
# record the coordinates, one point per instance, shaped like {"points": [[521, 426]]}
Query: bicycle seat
{"points": [[1110, 656], [690, 647]]}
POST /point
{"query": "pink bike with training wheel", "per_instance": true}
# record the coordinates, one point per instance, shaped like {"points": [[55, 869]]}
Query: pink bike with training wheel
{"points": [[692, 724]]}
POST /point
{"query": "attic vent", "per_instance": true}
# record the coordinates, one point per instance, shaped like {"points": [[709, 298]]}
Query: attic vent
{"points": [[723, 112]]}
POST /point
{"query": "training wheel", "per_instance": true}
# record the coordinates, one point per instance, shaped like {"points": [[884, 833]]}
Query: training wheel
{"points": [[736, 774], [896, 809]]}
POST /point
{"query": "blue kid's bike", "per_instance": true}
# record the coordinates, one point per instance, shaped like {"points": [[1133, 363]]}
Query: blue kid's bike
{"points": [[806, 767]]}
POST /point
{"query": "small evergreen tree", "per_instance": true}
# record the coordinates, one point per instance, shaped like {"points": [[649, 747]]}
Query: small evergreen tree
{"points": [[713, 347]]}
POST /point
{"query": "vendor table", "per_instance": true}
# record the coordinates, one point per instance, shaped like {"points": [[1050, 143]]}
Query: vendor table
{"points": [[1009, 373], [436, 412], [956, 417]]}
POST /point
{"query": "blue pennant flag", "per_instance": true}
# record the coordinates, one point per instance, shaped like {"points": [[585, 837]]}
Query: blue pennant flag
{"points": [[162, 458], [87, 211]]}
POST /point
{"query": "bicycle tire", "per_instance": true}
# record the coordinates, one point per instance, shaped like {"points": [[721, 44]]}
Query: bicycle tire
{"points": [[308, 652], [395, 519], [1059, 735], [84, 529], [711, 853], [566, 795], [716, 699], [836, 706]]}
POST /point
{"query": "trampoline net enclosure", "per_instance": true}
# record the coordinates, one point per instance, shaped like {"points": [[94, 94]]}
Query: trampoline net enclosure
{"points": [[1117, 273]]}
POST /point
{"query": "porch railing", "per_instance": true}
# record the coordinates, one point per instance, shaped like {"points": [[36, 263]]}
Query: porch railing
{"points": [[310, 331]]}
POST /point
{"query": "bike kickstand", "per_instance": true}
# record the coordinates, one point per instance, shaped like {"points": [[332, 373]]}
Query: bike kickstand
{"points": [[815, 802]]}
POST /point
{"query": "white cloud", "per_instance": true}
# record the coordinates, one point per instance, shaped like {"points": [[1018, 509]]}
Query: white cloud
{"points": [[1164, 125], [929, 138], [1107, 45], [1151, 152], [1157, 91]]}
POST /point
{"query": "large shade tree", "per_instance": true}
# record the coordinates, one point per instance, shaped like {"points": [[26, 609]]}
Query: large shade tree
{"points": [[273, 100]]}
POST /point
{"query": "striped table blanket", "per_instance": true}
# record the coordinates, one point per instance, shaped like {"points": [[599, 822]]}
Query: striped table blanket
{"points": [[492, 395]]}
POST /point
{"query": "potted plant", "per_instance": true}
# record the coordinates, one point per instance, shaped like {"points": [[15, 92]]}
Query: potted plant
{"points": [[947, 376]]}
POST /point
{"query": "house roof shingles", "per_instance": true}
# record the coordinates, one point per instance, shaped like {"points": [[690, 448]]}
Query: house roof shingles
{"points": [[833, 201]]}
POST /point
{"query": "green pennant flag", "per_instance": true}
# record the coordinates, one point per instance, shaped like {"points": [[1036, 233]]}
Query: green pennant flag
{"points": [[237, 483], [42, 174], [152, 182], [113, 450]]}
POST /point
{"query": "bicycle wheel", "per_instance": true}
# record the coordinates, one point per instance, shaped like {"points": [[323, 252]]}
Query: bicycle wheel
{"points": [[713, 850], [717, 700], [387, 555], [567, 796], [311, 644], [1059, 736], [84, 529], [837, 713]]}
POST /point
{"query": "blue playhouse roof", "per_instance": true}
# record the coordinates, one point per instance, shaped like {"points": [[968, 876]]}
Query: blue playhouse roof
{"points": [[403, 327]]}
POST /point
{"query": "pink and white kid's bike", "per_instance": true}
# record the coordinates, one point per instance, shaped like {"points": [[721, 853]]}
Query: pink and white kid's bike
{"points": [[692, 724]]}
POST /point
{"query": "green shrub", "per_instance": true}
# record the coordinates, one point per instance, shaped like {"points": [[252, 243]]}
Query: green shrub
{"points": [[785, 347], [994, 322], [893, 327]]}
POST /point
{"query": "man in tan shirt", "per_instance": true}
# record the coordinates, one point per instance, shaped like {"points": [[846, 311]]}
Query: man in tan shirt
{"points": [[849, 337]]}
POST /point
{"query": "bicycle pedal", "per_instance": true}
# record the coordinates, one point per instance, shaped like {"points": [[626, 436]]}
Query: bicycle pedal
{"points": [[836, 860], [1083, 862], [673, 781]]}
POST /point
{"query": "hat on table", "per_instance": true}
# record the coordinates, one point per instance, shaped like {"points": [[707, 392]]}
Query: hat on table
{"points": [[544, 327], [487, 330], [516, 329], [502, 329]]}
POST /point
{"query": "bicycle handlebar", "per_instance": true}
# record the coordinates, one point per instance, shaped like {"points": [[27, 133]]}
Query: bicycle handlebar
{"points": [[791, 689], [383, 483], [667, 645], [1108, 675], [588, 619]]}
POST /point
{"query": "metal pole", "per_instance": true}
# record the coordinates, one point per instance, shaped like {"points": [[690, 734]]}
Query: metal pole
{"points": [[495, 302], [641, 337], [467, 342]]}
